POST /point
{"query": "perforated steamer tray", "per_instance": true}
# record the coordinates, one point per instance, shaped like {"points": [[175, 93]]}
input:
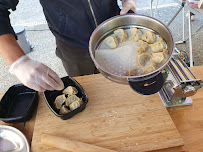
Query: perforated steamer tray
{"points": [[146, 84], [118, 61]]}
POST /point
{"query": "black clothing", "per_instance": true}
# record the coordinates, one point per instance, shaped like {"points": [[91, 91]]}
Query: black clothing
{"points": [[5, 25], [71, 21], [76, 61]]}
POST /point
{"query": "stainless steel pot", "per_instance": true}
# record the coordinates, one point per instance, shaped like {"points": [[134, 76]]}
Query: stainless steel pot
{"points": [[145, 84]]}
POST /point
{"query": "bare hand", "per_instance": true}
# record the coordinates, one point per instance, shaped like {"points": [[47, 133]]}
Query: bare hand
{"points": [[128, 5]]}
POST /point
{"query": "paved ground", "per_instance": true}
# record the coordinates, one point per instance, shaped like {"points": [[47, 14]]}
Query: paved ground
{"points": [[30, 15]]}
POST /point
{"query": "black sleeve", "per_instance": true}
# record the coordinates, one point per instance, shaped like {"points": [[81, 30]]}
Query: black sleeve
{"points": [[5, 25]]}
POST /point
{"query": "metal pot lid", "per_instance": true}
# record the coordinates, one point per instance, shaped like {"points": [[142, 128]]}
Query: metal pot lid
{"points": [[11, 139]]}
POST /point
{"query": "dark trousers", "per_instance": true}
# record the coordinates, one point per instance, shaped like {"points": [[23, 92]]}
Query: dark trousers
{"points": [[76, 61]]}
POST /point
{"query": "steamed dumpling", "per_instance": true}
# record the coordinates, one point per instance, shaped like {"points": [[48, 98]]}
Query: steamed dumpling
{"points": [[150, 68], [158, 57], [121, 35], [149, 37], [70, 90], [64, 110], [143, 58], [165, 53], [158, 46], [72, 99], [111, 42], [59, 101], [143, 46], [135, 34], [132, 72], [75, 105]]}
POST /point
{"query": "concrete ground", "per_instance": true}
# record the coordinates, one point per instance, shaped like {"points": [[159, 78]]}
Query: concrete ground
{"points": [[30, 15]]}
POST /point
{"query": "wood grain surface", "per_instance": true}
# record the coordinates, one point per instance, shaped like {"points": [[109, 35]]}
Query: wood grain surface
{"points": [[71, 145], [189, 119], [115, 118]]}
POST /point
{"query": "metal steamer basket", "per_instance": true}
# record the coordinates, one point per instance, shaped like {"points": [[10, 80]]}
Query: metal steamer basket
{"points": [[149, 83]]}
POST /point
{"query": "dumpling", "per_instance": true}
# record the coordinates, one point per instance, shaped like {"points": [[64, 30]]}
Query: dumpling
{"points": [[71, 99], [111, 42], [135, 34], [143, 58], [158, 57], [121, 35], [70, 90], [75, 105], [150, 68], [165, 52], [149, 37], [64, 110], [59, 101], [143, 46], [158, 46], [132, 72]]}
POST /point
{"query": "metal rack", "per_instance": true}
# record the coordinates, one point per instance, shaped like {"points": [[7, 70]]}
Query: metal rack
{"points": [[195, 11]]}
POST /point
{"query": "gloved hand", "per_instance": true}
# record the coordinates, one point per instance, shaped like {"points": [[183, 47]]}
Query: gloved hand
{"points": [[36, 75], [128, 5]]}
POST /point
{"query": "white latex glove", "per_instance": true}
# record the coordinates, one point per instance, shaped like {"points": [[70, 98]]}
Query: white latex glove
{"points": [[128, 5], [36, 75]]}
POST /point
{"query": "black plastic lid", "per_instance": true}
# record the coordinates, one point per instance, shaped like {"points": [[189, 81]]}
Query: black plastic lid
{"points": [[18, 104]]}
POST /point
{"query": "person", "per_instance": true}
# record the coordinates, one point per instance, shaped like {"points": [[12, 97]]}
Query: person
{"points": [[72, 23]]}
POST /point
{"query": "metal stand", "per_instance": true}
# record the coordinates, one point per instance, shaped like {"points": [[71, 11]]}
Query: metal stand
{"points": [[169, 23], [151, 8], [183, 5], [190, 40], [157, 3], [183, 40], [181, 8], [186, 102], [190, 31]]}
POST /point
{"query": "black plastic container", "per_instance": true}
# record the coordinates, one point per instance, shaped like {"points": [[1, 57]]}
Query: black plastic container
{"points": [[50, 97], [18, 104]]}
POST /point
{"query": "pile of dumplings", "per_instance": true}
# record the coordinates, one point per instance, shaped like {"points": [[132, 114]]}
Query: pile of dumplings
{"points": [[66, 104], [151, 51]]}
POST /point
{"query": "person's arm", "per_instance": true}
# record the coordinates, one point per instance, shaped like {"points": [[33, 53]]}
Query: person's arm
{"points": [[128, 5], [9, 49], [32, 74]]}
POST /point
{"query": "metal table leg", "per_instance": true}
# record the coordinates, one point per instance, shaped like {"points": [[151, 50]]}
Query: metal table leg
{"points": [[176, 14], [190, 39], [157, 3], [183, 24], [183, 40], [151, 8]]}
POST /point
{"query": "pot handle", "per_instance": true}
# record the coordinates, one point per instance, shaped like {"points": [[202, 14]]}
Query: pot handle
{"points": [[147, 86]]}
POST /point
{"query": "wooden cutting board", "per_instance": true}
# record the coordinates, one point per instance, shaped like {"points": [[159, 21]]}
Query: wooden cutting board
{"points": [[116, 118]]}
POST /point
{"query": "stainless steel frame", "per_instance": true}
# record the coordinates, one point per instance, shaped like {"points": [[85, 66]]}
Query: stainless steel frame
{"points": [[190, 10], [179, 85]]}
